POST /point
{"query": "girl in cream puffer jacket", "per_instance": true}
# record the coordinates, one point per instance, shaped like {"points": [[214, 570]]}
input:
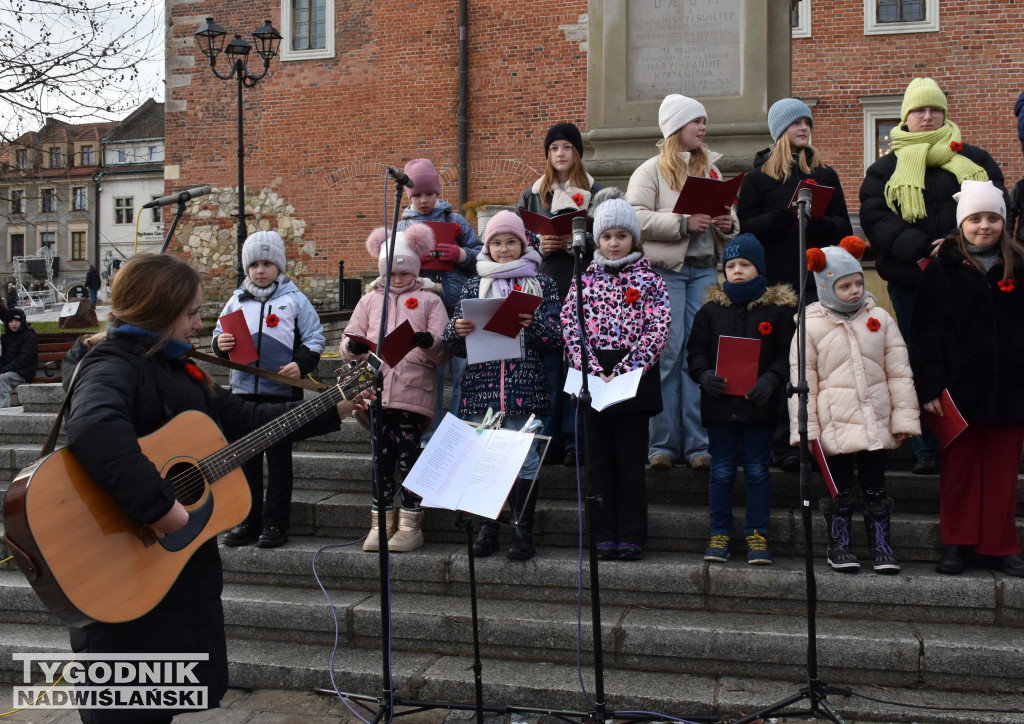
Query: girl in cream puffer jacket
{"points": [[861, 398]]}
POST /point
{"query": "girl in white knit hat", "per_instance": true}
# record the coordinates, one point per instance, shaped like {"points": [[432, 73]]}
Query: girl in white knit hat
{"points": [[683, 249]]}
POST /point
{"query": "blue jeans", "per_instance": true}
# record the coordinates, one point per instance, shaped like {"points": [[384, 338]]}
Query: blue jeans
{"points": [[93, 297], [560, 425], [456, 367], [677, 430], [751, 445], [926, 445]]}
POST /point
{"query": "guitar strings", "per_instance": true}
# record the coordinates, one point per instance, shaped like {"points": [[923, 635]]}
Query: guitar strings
{"points": [[191, 483]]}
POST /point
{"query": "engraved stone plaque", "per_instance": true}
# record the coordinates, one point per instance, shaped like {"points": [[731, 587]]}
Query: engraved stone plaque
{"points": [[693, 47]]}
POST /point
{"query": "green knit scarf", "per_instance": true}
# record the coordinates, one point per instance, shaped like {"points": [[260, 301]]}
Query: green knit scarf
{"points": [[914, 153]]}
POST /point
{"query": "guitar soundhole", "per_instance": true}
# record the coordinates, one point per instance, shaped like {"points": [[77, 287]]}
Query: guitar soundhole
{"points": [[189, 484]]}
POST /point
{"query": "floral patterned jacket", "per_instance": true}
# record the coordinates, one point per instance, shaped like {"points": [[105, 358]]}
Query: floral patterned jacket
{"points": [[624, 310]]}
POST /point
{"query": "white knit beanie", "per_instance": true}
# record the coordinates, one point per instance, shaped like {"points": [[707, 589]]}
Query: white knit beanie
{"points": [[676, 111], [977, 196], [264, 246]]}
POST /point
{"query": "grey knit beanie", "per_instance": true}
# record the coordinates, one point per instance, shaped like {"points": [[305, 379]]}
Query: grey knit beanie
{"points": [[676, 111], [265, 246], [785, 113], [616, 214], [838, 264]]}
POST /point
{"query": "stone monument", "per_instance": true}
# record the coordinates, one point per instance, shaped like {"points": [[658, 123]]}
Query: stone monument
{"points": [[732, 55]]}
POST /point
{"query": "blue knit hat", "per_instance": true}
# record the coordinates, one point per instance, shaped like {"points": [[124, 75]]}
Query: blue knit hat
{"points": [[785, 113], [745, 246]]}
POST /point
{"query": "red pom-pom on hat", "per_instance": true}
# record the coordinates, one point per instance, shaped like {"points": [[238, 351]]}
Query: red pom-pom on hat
{"points": [[816, 260], [853, 244]]}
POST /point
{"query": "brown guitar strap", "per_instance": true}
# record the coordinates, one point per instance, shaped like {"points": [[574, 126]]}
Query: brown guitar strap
{"points": [[50, 444], [214, 360]]}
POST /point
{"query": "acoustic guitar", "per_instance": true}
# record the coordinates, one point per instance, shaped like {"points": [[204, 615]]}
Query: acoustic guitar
{"points": [[88, 561]]}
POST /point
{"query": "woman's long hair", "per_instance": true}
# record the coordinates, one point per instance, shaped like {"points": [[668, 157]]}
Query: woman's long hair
{"points": [[671, 165], [577, 177], [151, 291], [1009, 247], [780, 163]]}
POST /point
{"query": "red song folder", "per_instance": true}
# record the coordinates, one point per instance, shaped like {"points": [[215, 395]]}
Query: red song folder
{"points": [[819, 455], [396, 345], [506, 319], [738, 359], [948, 427], [707, 196], [445, 232], [245, 350], [820, 197], [551, 225]]}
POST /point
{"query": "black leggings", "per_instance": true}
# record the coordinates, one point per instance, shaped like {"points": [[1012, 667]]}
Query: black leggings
{"points": [[871, 465]]}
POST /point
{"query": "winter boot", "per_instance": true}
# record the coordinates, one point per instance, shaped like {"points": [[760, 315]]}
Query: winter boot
{"points": [[486, 541], [524, 504], [372, 542], [410, 534], [876, 521], [837, 521]]}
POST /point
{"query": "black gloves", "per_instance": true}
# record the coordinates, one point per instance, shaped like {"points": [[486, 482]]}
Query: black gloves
{"points": [[357, 347], [762, 390], [712, 383], [423, 339]]}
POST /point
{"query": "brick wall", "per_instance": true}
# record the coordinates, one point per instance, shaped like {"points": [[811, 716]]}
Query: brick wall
{"points": [[320, 134]]}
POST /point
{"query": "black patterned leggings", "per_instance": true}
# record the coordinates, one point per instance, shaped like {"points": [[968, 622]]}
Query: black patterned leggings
{"points": [[871, 464], [399, 448]]}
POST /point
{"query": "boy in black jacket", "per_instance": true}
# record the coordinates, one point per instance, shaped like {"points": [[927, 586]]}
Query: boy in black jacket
{"points": [[19, 356], [744, 306]]}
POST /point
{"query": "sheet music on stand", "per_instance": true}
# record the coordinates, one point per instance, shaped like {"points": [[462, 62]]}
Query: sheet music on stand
{"points": [[471, 467]]}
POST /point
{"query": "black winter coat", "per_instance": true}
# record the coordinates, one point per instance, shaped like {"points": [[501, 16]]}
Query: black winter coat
{"points": [[968, 336], [763, 211], [558, 264], [119, 396], [899, 245], [718, 317], [20, 352]]}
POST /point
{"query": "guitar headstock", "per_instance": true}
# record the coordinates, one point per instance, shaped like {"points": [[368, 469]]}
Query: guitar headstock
{"points": [[354, 377]]}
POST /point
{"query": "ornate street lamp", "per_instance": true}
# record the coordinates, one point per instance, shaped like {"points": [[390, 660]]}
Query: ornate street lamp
{"points": [[210, 39]]}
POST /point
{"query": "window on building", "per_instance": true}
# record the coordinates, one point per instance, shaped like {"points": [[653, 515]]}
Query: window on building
{"points": [[308, 29], [800, 18], [87, 155], [158, 214], [78, 198], [124, 211], [22, 157], [17, 245], [152, 153], [122, 155], [881, 116], [78, 245], [883, 135], [883, 17], [56, 157], [17, 201], [48, 238], [49, 201]]}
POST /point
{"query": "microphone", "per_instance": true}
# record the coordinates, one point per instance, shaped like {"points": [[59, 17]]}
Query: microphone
{"points": [[579, 234], [805, 196], [181, 197], [401, 177]]}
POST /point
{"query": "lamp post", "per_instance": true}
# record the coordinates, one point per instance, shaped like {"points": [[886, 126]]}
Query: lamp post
{"points": [[210, 39]]}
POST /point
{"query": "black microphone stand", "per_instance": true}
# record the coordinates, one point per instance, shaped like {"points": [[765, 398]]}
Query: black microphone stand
{"points": [[174, 223], [815, 690], [593, 501]]}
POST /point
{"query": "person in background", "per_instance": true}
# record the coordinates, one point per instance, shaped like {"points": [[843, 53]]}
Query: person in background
{"points": [[92, 283], [907, 208], [19, 354], [684, 250]]}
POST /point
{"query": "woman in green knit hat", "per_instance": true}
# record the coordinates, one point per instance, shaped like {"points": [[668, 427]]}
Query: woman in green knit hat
{"points": [[907, 206]]}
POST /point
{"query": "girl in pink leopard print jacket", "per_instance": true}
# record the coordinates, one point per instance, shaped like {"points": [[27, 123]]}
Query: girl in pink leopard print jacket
{"points": [[627, 316]]}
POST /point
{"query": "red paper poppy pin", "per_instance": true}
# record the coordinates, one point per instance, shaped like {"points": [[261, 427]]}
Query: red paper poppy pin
{"points": [[812, 182], [517, 287], [956, 146], [632, 295], [412, 302], [765, 328], [577, 199], [1006, 285], [272, 320], [713, 174], [873, 324], [193, 371]]}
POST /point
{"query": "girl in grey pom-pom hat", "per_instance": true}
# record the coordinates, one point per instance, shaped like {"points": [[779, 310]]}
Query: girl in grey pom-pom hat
{"points": [[626, 313], [764, 207], [683, 249]]}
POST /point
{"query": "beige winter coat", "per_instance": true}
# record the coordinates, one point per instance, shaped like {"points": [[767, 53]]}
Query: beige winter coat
{"points": [[861, 389], [660, 230]]}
